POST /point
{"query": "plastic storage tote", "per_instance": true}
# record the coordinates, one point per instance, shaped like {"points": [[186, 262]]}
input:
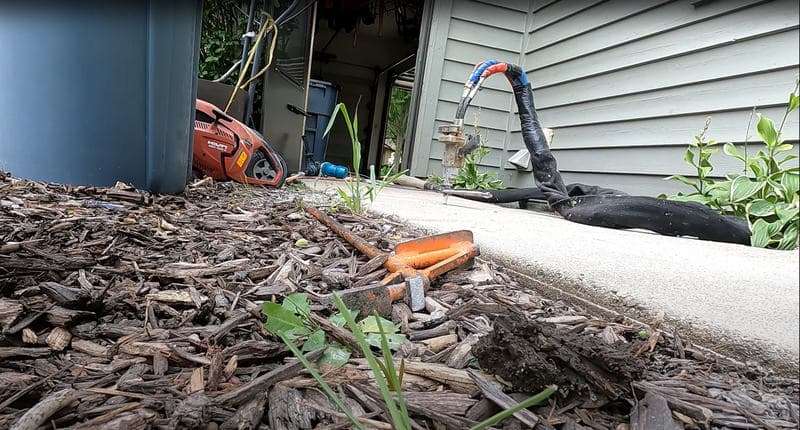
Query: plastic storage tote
{"points": [[93, 92], [321, 102]]}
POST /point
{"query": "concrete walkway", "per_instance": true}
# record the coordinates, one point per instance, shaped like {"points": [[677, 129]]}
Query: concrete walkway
{"points": [[737, 300]]}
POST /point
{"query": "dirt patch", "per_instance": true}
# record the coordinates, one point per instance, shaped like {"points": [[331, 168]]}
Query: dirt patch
{"points": [[532, 355]]}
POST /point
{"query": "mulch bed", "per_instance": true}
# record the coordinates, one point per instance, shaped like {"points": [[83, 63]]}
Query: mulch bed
{"points": [[121, 309]]}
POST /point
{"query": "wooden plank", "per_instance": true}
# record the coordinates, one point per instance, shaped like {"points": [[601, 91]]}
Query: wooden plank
{"points": [[725, 127], [489, 15], [663, 160], [763, 89], [590, 19], [702, 35], [477, 33], [558, 11], [751, 56], [665, 18]]}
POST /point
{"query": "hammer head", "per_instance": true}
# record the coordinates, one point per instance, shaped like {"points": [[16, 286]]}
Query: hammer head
{"points": [[365, 300]]}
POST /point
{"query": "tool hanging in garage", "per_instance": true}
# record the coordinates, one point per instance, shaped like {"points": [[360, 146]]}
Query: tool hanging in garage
{"points": [[586, 204]]}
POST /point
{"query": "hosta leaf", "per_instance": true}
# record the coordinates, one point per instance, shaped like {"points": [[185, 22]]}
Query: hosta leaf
{"points": [[790, 181], [784, 147], [760, 234], [785, 212], [681, 179], [766, 129], [742, 188], [760, 208], [731, 150], [789, 239], [689, 157], [794, 101]]}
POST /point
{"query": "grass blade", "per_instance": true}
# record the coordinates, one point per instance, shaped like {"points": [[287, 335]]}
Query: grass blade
{"points": [[373, 364], [391, 373], [500, 416], [325, 387]]}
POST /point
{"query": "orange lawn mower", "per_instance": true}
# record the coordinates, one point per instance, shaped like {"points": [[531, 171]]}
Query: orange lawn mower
{"points": [[225, 148]]}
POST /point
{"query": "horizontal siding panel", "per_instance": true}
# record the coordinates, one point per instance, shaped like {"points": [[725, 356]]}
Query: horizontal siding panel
{"points": [[493, 159], [469, 53], [459, 72], [670, 16], [475, 33], [637, 185], [763, 89], [659, 160], [489, 15], [724, 127], [725, 29], [517, 5], [751, 56], [587, 20], [488, 98], [558, 11], [488, 118]]}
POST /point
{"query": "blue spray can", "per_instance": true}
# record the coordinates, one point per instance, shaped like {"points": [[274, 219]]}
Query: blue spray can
{"points": [[329, 169]]}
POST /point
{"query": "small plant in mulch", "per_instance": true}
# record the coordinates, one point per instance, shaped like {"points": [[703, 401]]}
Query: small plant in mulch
{"points": [[358, 193], [291, 322]]}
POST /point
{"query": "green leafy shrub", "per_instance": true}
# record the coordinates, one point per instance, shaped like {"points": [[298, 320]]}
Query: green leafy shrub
{"points": [[470, 178], [358, 192], [765, 193], [220, 41]]}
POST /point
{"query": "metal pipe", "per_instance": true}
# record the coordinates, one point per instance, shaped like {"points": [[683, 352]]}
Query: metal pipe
{"points": [[247, 38]]}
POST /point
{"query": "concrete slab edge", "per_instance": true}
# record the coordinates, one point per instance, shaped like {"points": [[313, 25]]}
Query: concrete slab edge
{"points": [[722, 343]]}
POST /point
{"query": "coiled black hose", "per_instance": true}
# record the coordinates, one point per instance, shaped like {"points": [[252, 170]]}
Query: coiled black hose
{"points": [[621, 211]]}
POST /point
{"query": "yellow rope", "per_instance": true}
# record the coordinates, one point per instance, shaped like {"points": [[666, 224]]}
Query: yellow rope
{"points": [[269, 23]]}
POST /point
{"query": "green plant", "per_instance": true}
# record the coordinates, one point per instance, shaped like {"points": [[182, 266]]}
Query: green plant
{"points": [[220, 41], [765, 194], [290, 320], [357, 191], [396, 122], [531, 401], [385, 374], [468, 176]]}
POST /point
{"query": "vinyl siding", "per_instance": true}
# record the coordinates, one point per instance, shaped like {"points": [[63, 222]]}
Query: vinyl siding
{"points": [[625, 85]]}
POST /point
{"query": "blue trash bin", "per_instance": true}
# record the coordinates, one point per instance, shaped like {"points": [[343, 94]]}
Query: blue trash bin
{"points": [[93, 92], [321, 102]]}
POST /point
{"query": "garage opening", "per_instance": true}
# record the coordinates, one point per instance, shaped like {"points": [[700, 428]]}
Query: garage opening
{"points": [[364, 55]]}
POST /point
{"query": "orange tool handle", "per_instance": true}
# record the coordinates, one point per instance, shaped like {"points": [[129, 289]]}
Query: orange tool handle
{"points": [[360, 244]]}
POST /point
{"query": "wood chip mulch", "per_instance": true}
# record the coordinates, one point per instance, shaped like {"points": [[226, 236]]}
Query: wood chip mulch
{"points": [[121, 309]]}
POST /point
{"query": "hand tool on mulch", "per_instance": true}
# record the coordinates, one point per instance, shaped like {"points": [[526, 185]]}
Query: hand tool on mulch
{"points": [[412, 266]]}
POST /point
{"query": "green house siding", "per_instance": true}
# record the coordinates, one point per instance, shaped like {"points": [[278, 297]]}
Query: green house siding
{"points": [[625, 85]]}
